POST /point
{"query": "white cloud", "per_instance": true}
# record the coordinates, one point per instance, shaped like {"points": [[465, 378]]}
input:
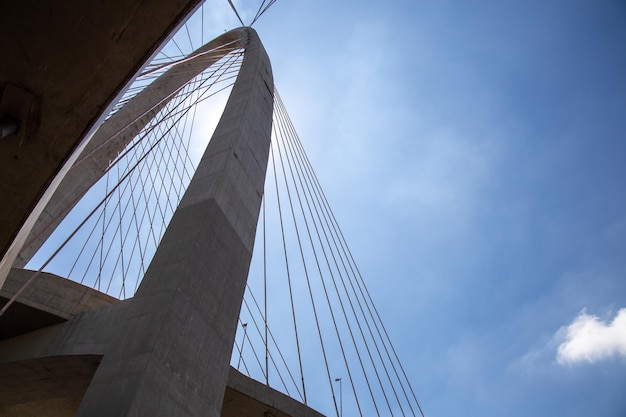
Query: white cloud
{"points": [[590, 339]]}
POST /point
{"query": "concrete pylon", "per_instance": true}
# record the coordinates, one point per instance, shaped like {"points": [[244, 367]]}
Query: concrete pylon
{"points": [[170, 352]]}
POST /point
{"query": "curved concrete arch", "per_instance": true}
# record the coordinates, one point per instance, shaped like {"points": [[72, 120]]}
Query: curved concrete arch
{"points": [[118, 131]]}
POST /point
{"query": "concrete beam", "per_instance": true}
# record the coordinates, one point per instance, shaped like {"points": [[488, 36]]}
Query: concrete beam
{"points": [[48, 299]]}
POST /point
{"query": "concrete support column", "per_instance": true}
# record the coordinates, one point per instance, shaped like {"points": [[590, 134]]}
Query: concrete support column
{"points": [[171, 355]]}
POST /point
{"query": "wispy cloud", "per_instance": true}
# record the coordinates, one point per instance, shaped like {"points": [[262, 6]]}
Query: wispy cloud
{"points": [[590, 339]]}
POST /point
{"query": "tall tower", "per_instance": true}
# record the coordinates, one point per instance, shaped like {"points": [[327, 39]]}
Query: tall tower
{"points": [[170, 354], [165, 351]]}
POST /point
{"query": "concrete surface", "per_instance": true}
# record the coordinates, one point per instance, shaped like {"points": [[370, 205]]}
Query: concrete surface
{"points": [[48, 300]]}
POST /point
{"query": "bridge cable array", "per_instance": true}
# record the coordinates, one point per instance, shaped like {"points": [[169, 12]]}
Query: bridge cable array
{"points": [[315, 308], [318, 266], [115, 229]]}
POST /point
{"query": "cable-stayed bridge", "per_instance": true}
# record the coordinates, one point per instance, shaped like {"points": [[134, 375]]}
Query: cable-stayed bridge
{"points": [[229, 254]]}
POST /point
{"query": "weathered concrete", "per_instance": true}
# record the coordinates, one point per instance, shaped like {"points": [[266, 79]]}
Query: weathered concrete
{"points": [[45, 387], [247, 397], [55, 317], [51, 294], [63, 63]]}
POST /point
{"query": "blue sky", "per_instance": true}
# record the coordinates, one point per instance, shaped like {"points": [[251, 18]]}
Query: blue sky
{"points": [[475, 156]]}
